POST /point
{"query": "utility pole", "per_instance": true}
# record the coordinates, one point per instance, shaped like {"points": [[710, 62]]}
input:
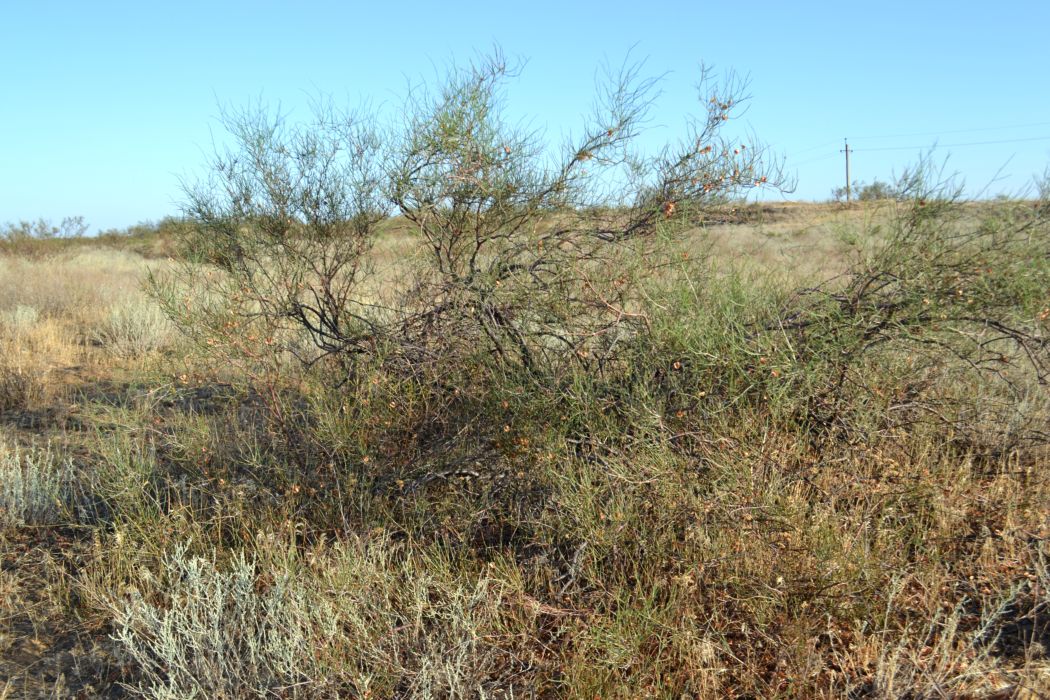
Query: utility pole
{"points": [[846, 150]]}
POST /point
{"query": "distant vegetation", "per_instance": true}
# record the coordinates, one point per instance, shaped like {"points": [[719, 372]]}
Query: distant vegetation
{"points": [[43, 237], [866, 191]]}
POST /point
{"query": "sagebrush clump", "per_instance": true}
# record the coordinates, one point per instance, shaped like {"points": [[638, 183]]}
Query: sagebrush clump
{"points": [[36, 486]]}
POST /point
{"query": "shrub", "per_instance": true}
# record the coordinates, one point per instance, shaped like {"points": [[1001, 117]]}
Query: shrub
{"points": [[20, 319], [940, 322], [698, 482], [867, 191], [524, 247], [527, 255], [225, 634], [40, 238], [36, 486], [134, 328], [362, 620]]}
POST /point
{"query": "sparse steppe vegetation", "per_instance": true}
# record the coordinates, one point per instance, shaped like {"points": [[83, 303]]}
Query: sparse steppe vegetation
{"points": [[757, 451]]}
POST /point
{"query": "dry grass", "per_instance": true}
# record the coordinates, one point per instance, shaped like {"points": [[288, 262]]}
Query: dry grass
{"points": [[57, 312], [72, 285]]}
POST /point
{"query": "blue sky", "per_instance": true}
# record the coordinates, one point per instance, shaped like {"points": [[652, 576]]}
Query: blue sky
{"points": [[104, 106]]}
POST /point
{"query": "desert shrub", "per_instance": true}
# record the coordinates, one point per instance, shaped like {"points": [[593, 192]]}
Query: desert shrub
{"points": [[525, 248], [225, 634], [20, 319], [867, 191], [36, 486], [134, 328], [357, 620], [526, 259], [939, 322]]}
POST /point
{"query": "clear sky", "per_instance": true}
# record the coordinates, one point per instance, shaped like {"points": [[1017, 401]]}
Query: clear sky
{"points": [[105, 105]]}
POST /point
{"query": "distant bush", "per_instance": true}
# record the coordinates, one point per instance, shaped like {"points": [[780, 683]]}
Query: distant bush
{"points": [[41, 239], [43, 229], [866, 191], [149, 239]]}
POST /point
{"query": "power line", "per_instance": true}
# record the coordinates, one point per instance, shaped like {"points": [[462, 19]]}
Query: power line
{"points": [[817, 160], [925, 133], [956, 145], [955, 131], [807, 150]]}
